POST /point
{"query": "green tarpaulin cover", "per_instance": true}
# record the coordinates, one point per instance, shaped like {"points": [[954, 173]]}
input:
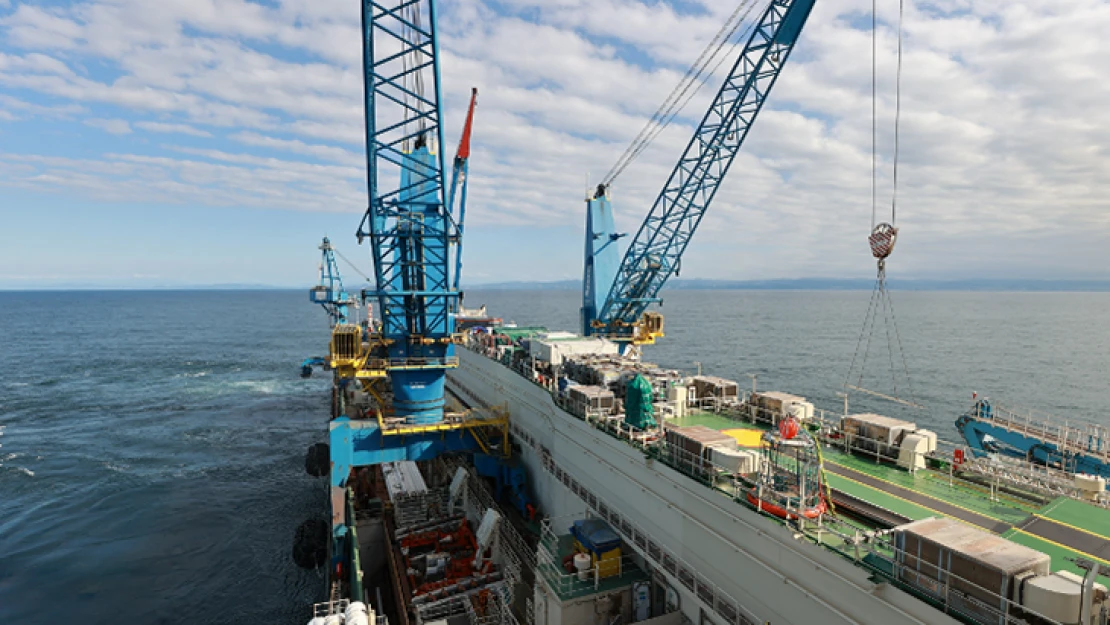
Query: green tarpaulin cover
{"points": [[638, 411]]}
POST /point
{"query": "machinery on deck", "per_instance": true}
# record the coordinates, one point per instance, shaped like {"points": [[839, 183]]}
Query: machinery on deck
{"points": [[329, 292], [616, 295], [409, 224], [1077, 448], [389, 406]]}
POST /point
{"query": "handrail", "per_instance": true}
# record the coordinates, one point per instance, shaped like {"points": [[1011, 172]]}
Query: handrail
{"points": [[1093, 439], [673, 456]]}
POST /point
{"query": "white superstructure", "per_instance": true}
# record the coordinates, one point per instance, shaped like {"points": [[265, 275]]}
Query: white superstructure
{"points": [[724, 563]]}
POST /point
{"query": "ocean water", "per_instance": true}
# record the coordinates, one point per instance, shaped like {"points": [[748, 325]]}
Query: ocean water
{"points": [[152, 459], [151, 443], [1048, 353]]}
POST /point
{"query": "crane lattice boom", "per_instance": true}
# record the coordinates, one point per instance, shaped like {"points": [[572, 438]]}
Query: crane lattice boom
{"points": [[654, 252], [408, 222]]}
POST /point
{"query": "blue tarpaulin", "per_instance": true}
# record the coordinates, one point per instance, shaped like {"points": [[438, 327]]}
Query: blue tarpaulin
{"points": [[595, 535]]}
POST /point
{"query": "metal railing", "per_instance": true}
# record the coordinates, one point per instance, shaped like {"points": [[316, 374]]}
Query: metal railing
{"points": [[325, 609], [1090, 439], [939, 586], [550, 561], [412, 363], [1035, 478], [880, 559]]}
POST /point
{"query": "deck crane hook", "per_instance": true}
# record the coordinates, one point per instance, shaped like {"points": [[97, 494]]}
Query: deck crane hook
{"points": [[881, 240]]}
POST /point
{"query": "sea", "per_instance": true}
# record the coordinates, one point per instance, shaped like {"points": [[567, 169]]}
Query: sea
{"points": [[152, 443]]}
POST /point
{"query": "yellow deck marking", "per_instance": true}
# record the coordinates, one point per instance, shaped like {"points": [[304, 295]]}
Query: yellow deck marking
{"points": [[968, 510], [964, 521], [1078, 529], [1060, 545], [745, 437]]}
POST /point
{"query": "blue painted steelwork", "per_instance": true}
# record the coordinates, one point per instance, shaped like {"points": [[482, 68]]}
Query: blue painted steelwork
{"points": [[309, 363], [329, 292], [654, 252], [987, 433], [361, 443], [410, 227], [511, 481], [602, 256]]}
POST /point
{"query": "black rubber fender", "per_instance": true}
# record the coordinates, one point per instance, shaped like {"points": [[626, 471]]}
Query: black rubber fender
{"points": [[317, 460]]}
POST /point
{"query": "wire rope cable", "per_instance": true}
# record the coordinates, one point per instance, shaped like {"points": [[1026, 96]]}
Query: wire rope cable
{"points": [[694, 79], [897, 115], [352, 265], [874, 111], [883, 236]]}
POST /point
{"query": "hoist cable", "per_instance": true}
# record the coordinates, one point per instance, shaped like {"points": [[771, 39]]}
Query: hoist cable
{"points": [[897, 114], [901, 350], [885, 299], [862, 333], [874, 111], [352, 265], [684, 91], [659, 128], [880, 296], [692, 73]]}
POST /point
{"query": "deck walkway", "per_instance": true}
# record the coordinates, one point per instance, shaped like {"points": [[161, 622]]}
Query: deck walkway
{"points": [[921, 500], [1065, 529]]}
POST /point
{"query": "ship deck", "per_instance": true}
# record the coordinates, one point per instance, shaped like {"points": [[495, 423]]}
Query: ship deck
{"points": [[1065, 529], [568, 586]]}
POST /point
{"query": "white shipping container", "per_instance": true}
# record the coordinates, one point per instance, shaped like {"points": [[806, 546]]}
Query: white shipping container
{"points": [[556, 346], [744, 461]]}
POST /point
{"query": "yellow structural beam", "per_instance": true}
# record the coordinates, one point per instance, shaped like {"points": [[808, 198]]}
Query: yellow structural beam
{"points": [[465, 421]]}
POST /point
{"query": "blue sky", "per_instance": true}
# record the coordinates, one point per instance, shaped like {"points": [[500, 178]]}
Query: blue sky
{"points": [[194, 142]]}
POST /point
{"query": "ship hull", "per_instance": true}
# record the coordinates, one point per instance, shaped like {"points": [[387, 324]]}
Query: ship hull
{"points": [[722, 558]]}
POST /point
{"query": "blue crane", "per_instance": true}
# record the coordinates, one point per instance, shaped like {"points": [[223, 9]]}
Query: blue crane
{"points": [[329, 292], [410, 225], [616, 295]]}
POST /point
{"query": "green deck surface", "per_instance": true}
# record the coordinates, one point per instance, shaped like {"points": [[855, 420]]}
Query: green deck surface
{"points": [[879, 498], [1062, 557], [934, 485], [709, 420], [928, 483], [1078, 514], [931, 484]]}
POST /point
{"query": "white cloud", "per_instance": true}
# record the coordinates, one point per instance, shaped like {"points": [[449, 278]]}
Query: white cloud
{"points": [[183, 129], [323, 152], [114, 126], [32, 27], [1003, 138], [32, 109], [232, 180]]}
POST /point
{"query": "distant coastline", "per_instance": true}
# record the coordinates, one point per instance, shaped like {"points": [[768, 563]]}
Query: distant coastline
{"points": [[837, 284], [693, 284]]}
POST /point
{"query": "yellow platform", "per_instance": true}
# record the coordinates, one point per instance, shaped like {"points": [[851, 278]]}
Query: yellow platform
{"points": [[744, 437]]}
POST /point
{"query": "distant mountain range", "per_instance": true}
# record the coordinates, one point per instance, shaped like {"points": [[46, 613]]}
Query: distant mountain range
{"points": [[793, 284], [834, 284]]}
